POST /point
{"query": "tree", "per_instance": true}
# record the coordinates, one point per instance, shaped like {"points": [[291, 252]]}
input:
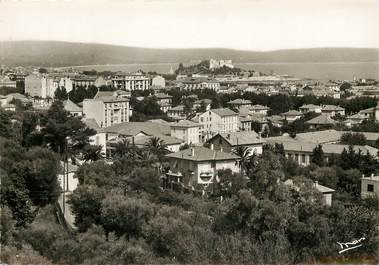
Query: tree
{"points": [[156, 147], [353, 138], [265, 174], [125, 216], [318, 156], [86, 206], [97, 173], [62, 131], [92, 153], [5, 124], [41, 178], [244, 153], [61, 94], [144, 179]]}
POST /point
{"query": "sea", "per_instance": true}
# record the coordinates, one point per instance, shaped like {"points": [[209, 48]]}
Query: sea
{"points": [[320, 71]]}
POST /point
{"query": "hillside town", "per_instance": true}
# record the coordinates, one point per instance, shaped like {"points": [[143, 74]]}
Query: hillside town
{"points": [[206, 132]]}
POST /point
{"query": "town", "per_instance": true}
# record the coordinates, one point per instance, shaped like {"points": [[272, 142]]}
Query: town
{"points": [[116, 152]]}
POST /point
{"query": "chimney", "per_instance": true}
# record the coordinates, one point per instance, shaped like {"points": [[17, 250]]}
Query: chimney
{"points": [[212, 147], [372, 176], [221, 149], [192, 152], [228, 136]]}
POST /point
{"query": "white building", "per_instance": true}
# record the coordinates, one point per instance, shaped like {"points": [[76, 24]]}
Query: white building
{"points": [[131, 82], [187, 131], [370, 186], [158, 81], [220, 63], [107, 108], [222, 120], [200, 165]]}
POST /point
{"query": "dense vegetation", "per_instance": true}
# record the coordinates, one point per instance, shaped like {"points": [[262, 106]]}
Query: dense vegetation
{"points": [[123, 216]]}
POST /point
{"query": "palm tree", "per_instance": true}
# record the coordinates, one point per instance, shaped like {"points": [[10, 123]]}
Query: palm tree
{"points": [[156, 148], [92, 153], [244, 153]]}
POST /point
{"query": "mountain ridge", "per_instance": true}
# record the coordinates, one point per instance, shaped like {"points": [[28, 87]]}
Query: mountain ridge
{"points": [[60, 54]]}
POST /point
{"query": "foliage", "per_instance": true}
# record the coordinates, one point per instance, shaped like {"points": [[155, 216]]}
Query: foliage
{"points": [[352, 138], [61, 94], [318, 156]]}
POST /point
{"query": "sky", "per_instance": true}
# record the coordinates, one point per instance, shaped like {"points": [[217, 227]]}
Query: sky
{"points": [[237, 24]]}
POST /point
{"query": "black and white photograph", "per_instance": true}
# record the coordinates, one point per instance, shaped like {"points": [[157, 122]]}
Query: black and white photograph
{"points": [[168, 132]]}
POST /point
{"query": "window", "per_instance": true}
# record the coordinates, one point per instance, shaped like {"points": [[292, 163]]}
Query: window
{"points": [[370, 188], [302, 158]]}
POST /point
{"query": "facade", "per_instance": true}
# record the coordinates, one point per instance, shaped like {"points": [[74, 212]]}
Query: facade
{"points": [[5, 81], [199, 165], [164, 101], [177, 113], [158, 81], [292, 115], [239, 103], [83, 81], [310, 108], [220, 63], [107, 108], [187, 131], [259, 109], [333, 110], [199, 83], [370, 186], [227, 142], [131, 82], [215, 121], [71, 107], [33, 86]]}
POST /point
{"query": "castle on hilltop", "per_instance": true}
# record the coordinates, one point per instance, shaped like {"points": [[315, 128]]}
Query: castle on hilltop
{"points": [[220, 63]]}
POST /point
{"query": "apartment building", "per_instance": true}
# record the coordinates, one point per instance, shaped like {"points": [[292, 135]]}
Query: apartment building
{"points": [[187, 131], [107, 108], [158, 81], [5, 81], [131, 82], [222, 120]]}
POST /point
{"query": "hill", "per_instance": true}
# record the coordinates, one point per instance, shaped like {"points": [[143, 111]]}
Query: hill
{"points": [[55, 53]]}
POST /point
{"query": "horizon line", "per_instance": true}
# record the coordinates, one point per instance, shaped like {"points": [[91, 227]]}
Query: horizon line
{"points": [[189, 48]]}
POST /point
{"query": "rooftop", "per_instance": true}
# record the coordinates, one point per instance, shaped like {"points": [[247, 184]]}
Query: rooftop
{"points": [[322, 119], [134, 128], [185, 124], [241, 138], [71, 106], [332, 108], [201, 153], [239, 101], [224, 112], [292, 113]]}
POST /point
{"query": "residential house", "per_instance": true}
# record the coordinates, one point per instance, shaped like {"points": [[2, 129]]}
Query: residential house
{"points": [[259, 109], [292, 115], [164, 101], [139, 133], [9, 107], [66, 177], [200, 165], [333, 110], [177, 113], [186, 130], [310, 108], [202, 102], [107, 108], [99, 138], [227, 142], [321, 121], [72, 108], [327, 193], [222, 120], [238, 103], [370, 186]]}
